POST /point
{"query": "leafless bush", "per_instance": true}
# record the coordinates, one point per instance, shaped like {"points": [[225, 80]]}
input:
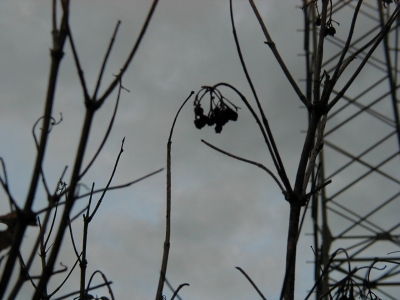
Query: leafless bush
{"points": [[55, 219]]}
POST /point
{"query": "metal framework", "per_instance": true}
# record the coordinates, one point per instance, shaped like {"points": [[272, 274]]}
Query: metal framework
{"points": [[360, 210]]}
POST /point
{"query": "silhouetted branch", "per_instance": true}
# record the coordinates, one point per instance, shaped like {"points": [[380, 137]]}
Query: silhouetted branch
{"points": [[103, 66], [4, 183], [122, 185], [65, 279], [178, 289], [110, 125], [275, 153], [109, 181], [106, 282], [78, 66], [164, 262], [272, 46], [131, 55], [252, 283], [261, 166]]}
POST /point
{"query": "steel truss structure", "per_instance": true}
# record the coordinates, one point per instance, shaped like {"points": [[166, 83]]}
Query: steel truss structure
{"points": [[360, 210]]}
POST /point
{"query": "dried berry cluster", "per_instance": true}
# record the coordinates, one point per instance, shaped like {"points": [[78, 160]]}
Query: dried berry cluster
{"points": [[329, 29], [219, 114]]}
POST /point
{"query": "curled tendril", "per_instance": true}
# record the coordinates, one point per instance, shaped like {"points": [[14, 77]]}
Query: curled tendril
{"points": [[53, 122]]}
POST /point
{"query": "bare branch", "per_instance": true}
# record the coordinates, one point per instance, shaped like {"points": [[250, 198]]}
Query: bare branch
{"points": [[110, 125], [122, 185], [261, 166], [109, 181], [178, 289], [131, 55], [78, 66], [164, 262], [272, 46], [103, 66], [252, 283]]}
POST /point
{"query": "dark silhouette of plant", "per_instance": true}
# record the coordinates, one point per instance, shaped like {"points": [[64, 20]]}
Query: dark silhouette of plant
{"points": [[318, 100], [55, 219]]}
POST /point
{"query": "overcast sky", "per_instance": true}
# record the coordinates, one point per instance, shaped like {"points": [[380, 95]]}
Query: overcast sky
{"points": [[225, 213]]}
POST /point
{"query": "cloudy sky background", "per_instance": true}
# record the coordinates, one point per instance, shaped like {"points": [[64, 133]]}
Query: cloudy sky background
{"points": [[225, 213]]}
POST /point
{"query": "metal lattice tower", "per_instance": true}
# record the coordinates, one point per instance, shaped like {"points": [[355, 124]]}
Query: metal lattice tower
{"points": [[360, 210]]}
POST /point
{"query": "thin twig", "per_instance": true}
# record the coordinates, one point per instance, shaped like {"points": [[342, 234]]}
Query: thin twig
{"points": [[4, 183], [273, 151], [178, 289], [131, 55], [108, 283], [261, 166], [348, 41], [164, 262], [103, 66], [171, 288], [122, 185], [110, 125], [268, 138], [78, 66], [252, 283], [109, 181], [65, 279], [272, 46]]}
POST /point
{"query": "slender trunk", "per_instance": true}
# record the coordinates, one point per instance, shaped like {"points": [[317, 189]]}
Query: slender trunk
{"points": [[291, 250]]}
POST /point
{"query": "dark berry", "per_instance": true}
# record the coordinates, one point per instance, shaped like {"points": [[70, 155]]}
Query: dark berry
{"points": [[218, 128], [232, 115], [222, 118], [210, 120], [198, 110], [200, 122], [331, 31], [318, 21]]}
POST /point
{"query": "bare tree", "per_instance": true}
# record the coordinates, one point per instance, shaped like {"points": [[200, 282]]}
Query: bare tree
{"points": [[57, 217]]}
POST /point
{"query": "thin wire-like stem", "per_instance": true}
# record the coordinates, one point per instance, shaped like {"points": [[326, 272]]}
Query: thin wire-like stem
{"points": [[263, 131], [78, 66], [103, 66], [278, 57], [4, 183], [252, 283], [131, 55], [65, 279], [164, 262], [110, 125], [106, 282], [274, 152], [319, 54], [171, 288], [178, 289], [348, 41], [109, 181], [261, 166], [71, 233], [122, 185]]}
